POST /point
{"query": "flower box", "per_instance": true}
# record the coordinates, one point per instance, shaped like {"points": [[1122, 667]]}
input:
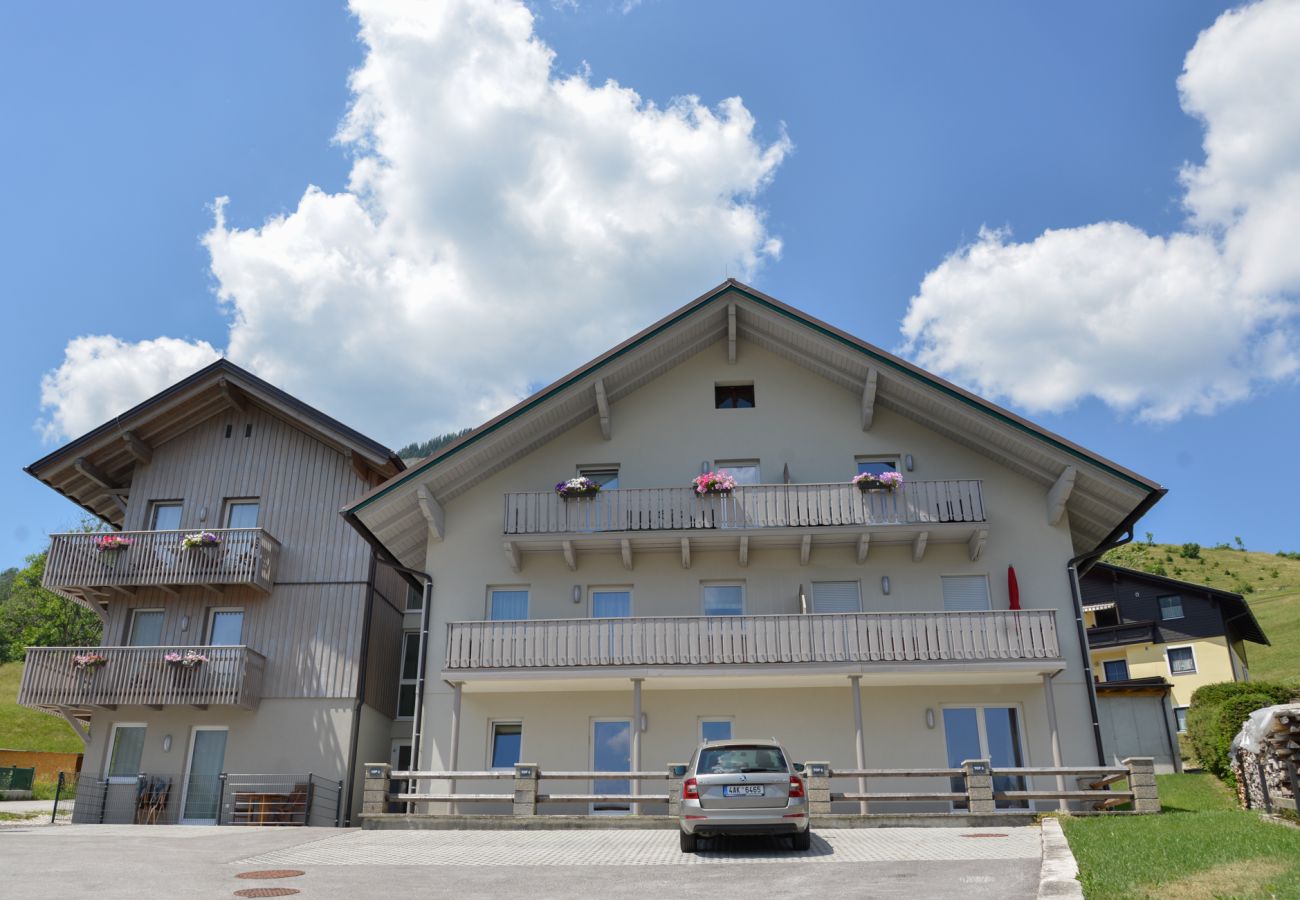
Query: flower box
{"points": [[187, 660], [885, 481], [719, 482], [582, 486], [89, 662], [200, 540]]}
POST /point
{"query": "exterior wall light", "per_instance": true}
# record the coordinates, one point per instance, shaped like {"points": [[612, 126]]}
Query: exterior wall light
{"points": [[167, 743], [884, 585], [907, 461], [929, 718], [645, 722], [577, 593], [185, 624]]}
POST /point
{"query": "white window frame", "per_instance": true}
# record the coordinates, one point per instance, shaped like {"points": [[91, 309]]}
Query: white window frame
{"points": [[894, 459], [699, 725], [487, 599], [108, 753], [988, 587], [594, 589], [812, 590], [212, 617], [491, 743], [749, 463], [1169, 663], [1182, 613], [130, 625], [744, 598], [1183, 709], [402, 680]]}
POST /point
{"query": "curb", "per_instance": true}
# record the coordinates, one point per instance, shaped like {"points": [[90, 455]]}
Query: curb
{"points": [[1059, 876]]}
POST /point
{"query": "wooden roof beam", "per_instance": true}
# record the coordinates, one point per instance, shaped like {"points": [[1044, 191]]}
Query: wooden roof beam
{"points": [[869, 399], [918, 545], [433, 514], [602, 409], [142, 452], [95, 474], [233, 396], [1059, 495]]}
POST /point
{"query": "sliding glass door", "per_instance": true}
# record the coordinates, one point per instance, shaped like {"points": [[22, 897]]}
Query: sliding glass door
{"points": [[986, 732]]}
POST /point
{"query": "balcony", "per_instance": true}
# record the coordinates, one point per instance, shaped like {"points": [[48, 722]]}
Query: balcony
{"points": [[77, 569], [762, 514], [853, 642], [1119, 635], [140, 676]]}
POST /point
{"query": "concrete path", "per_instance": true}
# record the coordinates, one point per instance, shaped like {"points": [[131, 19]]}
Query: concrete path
{"points": [[30, 806], [138, 861]]}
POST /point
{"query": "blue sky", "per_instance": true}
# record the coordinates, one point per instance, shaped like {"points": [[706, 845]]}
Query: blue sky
{"points": [[883, 138]]}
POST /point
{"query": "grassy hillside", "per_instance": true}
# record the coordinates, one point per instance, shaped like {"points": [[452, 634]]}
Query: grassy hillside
{"points": [[27, 729], [1269, 582]]}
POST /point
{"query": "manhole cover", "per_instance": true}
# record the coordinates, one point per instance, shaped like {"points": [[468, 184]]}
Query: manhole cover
{"points": [[267, 892], [271, 873], [984, 835]]}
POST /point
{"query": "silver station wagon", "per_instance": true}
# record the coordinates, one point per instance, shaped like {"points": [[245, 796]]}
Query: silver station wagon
{"points": [[743, 787]]}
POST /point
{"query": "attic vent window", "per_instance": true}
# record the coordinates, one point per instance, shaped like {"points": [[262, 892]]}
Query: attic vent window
{"points": [[248, 430], [733, 396], [227, 431]]}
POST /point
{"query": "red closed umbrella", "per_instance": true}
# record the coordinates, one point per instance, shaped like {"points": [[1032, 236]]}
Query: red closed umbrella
{"points": [[1013, 588]]}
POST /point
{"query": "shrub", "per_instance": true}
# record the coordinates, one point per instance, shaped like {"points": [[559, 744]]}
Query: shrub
{"points": [[1217, 714], [1190, 551]]}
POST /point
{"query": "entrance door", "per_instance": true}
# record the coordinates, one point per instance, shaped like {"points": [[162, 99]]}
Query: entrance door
{"points": [[611, 751], [202, 801], [985, 732]]}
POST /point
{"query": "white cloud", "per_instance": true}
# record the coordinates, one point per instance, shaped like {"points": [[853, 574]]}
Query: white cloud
{"points": [[501, 221], [102, 376], [1155, 326]]}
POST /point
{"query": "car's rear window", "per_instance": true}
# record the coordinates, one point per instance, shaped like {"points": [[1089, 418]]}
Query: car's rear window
{"points": [[740, 758]]}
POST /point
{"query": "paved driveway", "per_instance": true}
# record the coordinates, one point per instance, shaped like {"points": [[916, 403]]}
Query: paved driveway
{"points": [[136, 861]]}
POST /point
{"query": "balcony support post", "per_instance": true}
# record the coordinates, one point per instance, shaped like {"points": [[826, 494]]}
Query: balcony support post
{"points": [[805, 550], [636, 739], [76, 725], [1055, 733], [859, 737], [864, 546], [918, 545], [453, 753], [686, 553]]}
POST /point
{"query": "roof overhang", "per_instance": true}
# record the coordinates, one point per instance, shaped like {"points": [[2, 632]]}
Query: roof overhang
{"points": [[1099, 496], [95, 470]]}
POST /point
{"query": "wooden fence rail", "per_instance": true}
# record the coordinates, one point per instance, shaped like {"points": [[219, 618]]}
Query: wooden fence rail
{"points": [[712, 640], [748, 506]]}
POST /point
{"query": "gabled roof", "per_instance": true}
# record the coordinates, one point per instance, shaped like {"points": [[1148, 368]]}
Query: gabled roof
{"points": [[1236, 611], [1105, 495], [111, 452]]}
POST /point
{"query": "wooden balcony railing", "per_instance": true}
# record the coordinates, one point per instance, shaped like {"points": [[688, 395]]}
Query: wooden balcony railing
{"points": [[232, 676], [1118, 635], [244, 556], [748, 506], [714, 640]]}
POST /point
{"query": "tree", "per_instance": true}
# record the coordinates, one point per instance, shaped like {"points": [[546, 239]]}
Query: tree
{"points": [[31, 616], [421, 450]]}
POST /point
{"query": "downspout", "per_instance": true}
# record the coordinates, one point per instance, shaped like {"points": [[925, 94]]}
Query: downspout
{"points": [[363, 663], [1122, 534]]}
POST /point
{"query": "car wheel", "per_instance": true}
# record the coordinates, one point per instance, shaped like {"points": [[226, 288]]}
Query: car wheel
{"points": [[689, 842], [802, 840]]}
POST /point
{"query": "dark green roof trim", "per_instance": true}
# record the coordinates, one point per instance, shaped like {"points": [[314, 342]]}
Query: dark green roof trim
{"points": [[689, 310]]}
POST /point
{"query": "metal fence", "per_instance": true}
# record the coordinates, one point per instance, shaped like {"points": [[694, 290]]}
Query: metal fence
{"points": [[13, 778], [229, 799]]}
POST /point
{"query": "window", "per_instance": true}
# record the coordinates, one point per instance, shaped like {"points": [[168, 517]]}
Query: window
{"points": [[877, 465], [414, 597], [409, 675], [146, 628], [165, 515], [733, 396], [724, 599], [1182, 661], [609, 603], [745, 471], [1170, 608], [740, 758], [985, 732], [1105, 618], [125, 748], [1116, 669], [965, 593], [226, 628], [836, 597], [715, 729], [507, 739], [1180, 717], [241, 513], [507, 604], [605, 476]]}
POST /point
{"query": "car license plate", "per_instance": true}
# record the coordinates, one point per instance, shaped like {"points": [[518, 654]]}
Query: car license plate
{"points": [[743, 790]]}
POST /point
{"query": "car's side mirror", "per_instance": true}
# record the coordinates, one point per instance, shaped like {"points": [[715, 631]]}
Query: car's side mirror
{"points": [[799, 767]]}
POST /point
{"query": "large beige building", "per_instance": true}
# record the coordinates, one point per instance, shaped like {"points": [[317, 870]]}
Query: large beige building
{"points": [[248, 631], [613, 631]]}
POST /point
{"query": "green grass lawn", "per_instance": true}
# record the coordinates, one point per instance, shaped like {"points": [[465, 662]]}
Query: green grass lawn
{"points": [[1270, 584], [27, 729], [1201, 846]]}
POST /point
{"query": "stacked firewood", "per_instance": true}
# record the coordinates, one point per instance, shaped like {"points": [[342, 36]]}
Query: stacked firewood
{"points": [[1274, 768]]}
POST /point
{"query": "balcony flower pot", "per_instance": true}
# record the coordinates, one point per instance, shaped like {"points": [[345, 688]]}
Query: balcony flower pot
{"points": [[885, 481], [89, 663], [719, 482], [200, 540], [184, 661], [577, 488], [109, 547]]}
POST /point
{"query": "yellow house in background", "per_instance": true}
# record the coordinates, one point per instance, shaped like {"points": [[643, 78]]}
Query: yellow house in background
{"points": [[1143, 627]]}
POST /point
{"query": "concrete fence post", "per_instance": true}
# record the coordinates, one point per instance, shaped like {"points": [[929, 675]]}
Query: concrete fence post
{"points": [[676, 772], [1142, 782], [526, 777], [979, 787], [817, 777], [374, 793]]}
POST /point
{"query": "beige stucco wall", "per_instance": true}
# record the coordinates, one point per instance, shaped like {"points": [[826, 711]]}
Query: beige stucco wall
{"points": [[661, 434], [1213, 664]]}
